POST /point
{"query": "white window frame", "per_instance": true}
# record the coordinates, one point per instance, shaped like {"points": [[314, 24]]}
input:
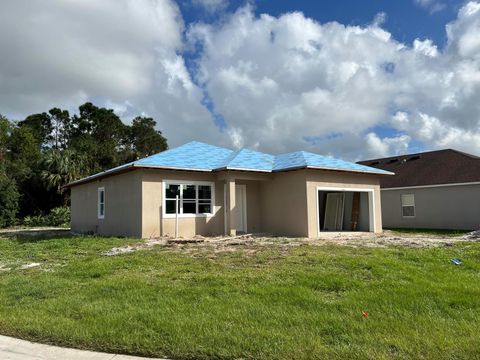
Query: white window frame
{"points": [[402, 206], [99, 191], [187, 182]]}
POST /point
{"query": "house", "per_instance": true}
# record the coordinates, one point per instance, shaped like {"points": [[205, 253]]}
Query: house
{"points": [[201, 189], [435, 190]]}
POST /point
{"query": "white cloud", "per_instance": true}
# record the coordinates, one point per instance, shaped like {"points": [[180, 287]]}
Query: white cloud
{"points": [[280, 80], [379, 19], [432, 6], [431, 130], [378, 147], [281, 83], [211, 6], [425, 47], [63, 53]]}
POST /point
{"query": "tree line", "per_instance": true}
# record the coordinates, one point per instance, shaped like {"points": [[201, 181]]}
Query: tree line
{"points": [[45, 151]]}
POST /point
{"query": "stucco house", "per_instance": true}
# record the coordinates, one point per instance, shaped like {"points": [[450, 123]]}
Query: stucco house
{"points": [[435, 190], [201, 189]]}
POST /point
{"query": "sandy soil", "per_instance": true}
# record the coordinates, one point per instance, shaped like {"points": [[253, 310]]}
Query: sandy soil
{"points": [[256, 242]]}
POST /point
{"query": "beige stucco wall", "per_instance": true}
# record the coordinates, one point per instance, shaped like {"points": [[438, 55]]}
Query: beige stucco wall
{"points": [[322, 178], [446, 207], [123, 200], [153, 224], [280, 203], [283, 202]]}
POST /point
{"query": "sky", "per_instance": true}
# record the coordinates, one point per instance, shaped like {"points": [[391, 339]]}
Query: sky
{"points": [[352, 79]]}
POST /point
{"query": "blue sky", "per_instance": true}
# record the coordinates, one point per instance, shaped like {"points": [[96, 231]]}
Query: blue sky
{"points": [[353, 79], [406, 19]]}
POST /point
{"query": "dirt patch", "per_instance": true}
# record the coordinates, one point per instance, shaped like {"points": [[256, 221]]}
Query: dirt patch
{"points": [[147, 244], [474, 235], [29, 266], [250, 244]]}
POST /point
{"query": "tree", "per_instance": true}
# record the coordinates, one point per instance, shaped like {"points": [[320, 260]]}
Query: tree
{"points": [[45, 151], [101, 134], [5, 131], [40, 125], [9, 197], [61, 168], [61, 128], [8, 190], [23, 153], [145, 139]]}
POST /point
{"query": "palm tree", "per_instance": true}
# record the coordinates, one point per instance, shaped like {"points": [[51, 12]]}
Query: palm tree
{"points": [[61, 167]]}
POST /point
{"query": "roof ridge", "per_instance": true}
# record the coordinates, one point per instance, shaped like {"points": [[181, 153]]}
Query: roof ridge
{"points": [[465, 154], [413, 154], [229, 159], [303, 152]]}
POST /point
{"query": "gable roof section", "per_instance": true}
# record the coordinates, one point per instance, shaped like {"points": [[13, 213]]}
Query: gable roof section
{"points": [[429, 168], [198, 156]]}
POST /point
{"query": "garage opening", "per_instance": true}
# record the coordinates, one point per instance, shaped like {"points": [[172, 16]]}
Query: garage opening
{"points": [[341, 210]]}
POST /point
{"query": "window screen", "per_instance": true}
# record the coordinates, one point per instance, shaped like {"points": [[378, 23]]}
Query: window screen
{"points": [[408, 205], [101, 203]]}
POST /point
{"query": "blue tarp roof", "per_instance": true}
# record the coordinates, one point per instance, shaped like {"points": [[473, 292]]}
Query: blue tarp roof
{"points": [[199, 156], [193, 155]]}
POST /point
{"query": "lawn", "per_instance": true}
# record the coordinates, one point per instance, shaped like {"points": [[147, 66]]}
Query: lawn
{"points": [[433, 232], [257, 302]]}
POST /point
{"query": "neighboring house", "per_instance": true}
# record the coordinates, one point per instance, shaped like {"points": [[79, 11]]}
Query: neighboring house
{"points": [[221, 191], [436, 190]]}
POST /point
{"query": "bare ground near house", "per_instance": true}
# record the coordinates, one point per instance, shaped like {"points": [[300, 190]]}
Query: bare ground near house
{"points": [[255, 242]]}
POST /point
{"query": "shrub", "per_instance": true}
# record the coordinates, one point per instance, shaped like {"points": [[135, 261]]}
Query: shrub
{"points": [[9, 197], [59, 216], [36, 220]]}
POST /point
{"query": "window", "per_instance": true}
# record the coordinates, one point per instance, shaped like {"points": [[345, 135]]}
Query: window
{"points": [[408, 205], [195, 198], [101, 203]]}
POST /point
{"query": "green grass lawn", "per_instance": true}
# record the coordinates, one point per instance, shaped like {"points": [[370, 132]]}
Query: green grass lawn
{"points": [[274, 302], [432, 232]]}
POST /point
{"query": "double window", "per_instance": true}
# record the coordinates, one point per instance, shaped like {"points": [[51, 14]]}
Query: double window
{"points": [[101, 202], [408, 205], [194, 198]]}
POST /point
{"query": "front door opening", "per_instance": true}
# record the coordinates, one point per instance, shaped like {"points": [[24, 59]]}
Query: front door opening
{"points": [[241, 208], [344, 210]]}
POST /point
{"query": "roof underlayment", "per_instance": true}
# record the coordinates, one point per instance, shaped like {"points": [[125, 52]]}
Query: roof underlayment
{"points": [[199, 156]]}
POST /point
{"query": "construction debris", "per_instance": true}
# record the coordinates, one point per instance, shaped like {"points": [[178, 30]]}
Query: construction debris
{"points": [[140, 246], [472, 235], [4, 267], [118, 251], [29, 266], [255, 242], [456, 261], [185, 241]]}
